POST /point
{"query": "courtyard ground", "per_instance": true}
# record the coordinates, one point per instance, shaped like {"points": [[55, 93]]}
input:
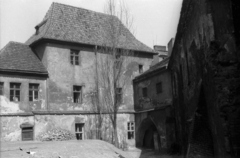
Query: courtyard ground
{"points": [[71, 149]]}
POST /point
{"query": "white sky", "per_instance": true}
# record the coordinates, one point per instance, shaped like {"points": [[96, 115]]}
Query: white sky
{"points": [[155, 21]]}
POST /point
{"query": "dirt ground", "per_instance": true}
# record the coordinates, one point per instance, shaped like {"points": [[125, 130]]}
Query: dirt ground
{"points": [[71, 149]]}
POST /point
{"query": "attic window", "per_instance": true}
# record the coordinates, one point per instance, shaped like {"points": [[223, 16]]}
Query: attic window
{"points": [[39, 25]]}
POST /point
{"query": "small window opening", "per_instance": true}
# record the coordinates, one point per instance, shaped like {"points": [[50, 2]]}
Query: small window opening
{"points": [[77, 94], [159, 87], [15, 91], [140, 67], [33, 92], [79, 131], [144, 92], [1, 88], [130, 130], [119, 95], [74, 57]]}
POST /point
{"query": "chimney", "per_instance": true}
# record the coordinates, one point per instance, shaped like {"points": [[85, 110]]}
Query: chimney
{"points": [[159, 48], [170, 46]]}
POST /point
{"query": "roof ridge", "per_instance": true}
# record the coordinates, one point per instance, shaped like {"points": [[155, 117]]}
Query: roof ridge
{"points": [[82, 8], [9, 44]]}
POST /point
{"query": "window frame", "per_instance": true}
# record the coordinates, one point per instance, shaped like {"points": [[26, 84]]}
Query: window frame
{"points": [[79, 92], [15, 88], [131, 130], [34, 91], [140, 68], [145, 92], [74, 57], [159, 88], [79, 132], [119, 95], [2, 88]]}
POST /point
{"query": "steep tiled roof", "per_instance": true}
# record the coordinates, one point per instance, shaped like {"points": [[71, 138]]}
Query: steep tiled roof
{"points": [[156, 67], [72, 24], [18, 57]]}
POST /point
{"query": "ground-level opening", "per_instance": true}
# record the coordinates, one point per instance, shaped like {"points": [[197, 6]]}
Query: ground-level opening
{"points": [[79, 130], [148, 139], [27, 131]]}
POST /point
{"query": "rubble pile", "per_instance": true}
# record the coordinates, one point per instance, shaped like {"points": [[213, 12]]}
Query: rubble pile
{"points": [[56, 134]]}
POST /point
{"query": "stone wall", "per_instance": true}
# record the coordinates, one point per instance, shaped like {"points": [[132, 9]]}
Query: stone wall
{"points": [[11, 131], [205, 78]]}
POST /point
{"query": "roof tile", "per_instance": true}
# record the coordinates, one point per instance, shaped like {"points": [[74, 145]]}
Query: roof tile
{"points": [[19, 57], [72, 24]]}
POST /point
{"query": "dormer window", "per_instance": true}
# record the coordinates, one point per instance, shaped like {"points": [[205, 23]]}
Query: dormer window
{"points": [[74, 57], [39, 25]]}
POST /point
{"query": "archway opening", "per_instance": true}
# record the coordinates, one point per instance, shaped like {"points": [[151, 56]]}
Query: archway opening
{"points": [[148, 139]]}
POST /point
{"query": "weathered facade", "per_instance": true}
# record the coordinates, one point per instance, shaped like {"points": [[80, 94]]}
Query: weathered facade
{"points": [[205, 78], [153, 105], [66, 43]]}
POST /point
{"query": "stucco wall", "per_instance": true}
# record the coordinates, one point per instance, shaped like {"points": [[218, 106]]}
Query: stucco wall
{"points": [[63, 75], [153, 99], [24, 105]]}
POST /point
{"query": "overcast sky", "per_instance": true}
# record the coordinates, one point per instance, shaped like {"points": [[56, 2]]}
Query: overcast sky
{"points": [[155, 21]]}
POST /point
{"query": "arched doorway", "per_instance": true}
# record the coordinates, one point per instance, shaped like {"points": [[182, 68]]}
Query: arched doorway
{"points": [[148, 136]]}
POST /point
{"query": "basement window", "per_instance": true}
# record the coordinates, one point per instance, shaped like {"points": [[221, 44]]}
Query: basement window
{"points": [[33, 92], [77, 94], [159, 87], [74, 57], [79, 131], [27, 131], [144, 92], [130, 130], [1, 88], [15, 91], [140, 68]]}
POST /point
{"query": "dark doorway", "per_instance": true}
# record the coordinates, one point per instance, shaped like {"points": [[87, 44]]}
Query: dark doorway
{"points": [[148, 139]]}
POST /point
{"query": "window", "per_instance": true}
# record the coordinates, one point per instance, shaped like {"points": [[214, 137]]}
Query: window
{"points": [[1, 88], [15, 91], [77, 94], [144, 92], [119, 95], [79, 131], [130, 130], [33, 92], [27, 133], [159, 87], [74, 57], [140, 67]]}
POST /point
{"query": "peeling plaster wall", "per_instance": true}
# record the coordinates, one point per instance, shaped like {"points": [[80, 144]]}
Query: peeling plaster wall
{"points": [[63, 75], [7, 106], [205, 66], [10, 127], [153, 99]]}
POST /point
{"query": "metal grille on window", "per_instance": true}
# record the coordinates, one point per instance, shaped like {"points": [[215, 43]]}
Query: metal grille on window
{"points": [[74, 57], [130, 130], [15, 91], [79, 131], [77, 94], [33, 92]]}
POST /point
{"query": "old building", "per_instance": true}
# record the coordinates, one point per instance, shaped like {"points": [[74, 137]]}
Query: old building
{"points": [[48, 82], [205, 78], [153, 104]]}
